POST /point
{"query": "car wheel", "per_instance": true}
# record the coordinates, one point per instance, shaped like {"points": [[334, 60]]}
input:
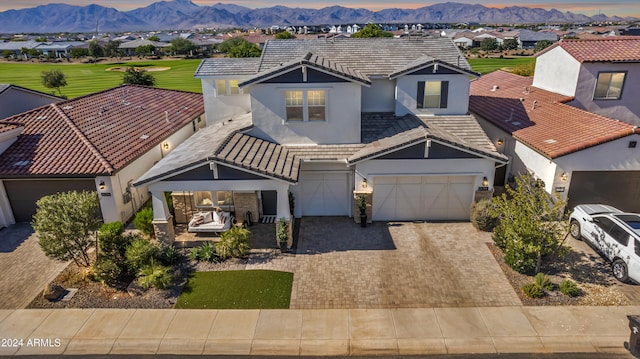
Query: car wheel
{"points": [[574, 229], [619, 269]]}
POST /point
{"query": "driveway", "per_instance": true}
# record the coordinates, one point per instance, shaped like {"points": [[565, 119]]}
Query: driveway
{"points": [[392, 265], [24, 269]]}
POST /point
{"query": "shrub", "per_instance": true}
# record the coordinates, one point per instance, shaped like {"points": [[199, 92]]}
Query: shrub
{"points": [[207, 252], [112, 243], [169, 255], [154, 275], [143, 221], [140, 253], [569, 288], [107, 271], [194, 254], [542, 281], [482, 217], [532, 290], [234, 243]]}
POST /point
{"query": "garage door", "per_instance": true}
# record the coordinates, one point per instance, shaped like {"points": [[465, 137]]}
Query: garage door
{"points": [[325, 194], [422, 198], [620, 189], [23, 194]]}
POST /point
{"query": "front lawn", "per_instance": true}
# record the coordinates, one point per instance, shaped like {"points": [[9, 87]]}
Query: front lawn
{"points": [[245, 289]]}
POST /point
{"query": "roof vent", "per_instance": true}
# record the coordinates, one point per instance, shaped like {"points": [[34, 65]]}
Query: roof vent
{"points": [[550, 141], [22, 163], [535, 104], [67, 107], [144, 137], [41, 118], [495, 88]]}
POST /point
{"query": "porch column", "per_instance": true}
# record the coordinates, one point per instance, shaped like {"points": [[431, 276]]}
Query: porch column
{"points": [[162, 219], [284, 212]]}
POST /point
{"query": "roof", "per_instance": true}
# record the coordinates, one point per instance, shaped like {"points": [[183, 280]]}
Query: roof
{"points": [[96, 134], [141, 42], [602, 49], [540, 119], [426, 61], [17, 45], [528, 35], [7, 126], [227, 66], [5, 87], [369, 56]]}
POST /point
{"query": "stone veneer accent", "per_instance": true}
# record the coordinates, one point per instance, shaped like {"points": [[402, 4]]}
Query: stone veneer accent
{"points": [[246, 201], [356, 211], [480, 195], [164, 230]]}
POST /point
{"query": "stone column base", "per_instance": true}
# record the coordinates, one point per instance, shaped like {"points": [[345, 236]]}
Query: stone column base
{"points": [[164, 230]]}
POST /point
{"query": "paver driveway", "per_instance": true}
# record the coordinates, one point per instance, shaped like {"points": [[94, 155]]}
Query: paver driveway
{"points": [[24, 268], [392, 265]]}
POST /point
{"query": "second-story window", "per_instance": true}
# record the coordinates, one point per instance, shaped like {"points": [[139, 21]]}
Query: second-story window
{"points": [[305, 105], [432, 94], [229, 88], [609, 86]]}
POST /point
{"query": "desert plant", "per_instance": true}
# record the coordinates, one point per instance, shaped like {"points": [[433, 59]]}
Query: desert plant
{"points": [[542, 281], [532, 290], [144, 221], [140, 253], [481, 216], [194, 254], [169, 255], [207, 252], [283, 232], [362, 205], [234, 243], [569, 288], [107, 271], [154, 275]]}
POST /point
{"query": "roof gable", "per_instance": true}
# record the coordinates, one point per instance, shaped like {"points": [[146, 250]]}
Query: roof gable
{"points": [[427, 64], [607, 49]]}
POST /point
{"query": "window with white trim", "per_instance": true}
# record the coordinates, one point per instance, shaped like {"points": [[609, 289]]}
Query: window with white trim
{"points": [[229, 88], [305, 105], [609, 85], [432, 94], [207, 199]]}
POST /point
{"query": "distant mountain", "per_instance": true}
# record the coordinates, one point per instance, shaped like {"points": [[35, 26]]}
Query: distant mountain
{"points": [[184, 14]]}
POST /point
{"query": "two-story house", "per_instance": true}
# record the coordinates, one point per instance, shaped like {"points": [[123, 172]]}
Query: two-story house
{"points": [[574, 124], [318, 121]]}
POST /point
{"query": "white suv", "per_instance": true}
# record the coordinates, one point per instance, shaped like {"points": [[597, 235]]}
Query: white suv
{"points": [[615, 234]]}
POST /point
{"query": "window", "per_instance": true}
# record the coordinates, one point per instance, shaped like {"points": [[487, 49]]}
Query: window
{"points": [[302, 105], [213, 199], [229, 88], [432, 94], [609, 86], [221, 87], [636, 246], [225, 198], [203, 199], [233, 87], [619, 235]]}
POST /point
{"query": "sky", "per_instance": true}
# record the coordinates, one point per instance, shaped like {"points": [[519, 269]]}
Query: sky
{"points": [[588, 7]]}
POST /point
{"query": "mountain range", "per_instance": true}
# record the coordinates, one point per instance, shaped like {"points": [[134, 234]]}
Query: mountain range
{"points": [[184, 15]]}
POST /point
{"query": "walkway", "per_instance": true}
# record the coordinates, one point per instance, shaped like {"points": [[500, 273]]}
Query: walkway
{"points": [[318, 332]]}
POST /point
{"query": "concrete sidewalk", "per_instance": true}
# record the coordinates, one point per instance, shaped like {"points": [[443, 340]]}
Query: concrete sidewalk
{"points": [[316, 332]]}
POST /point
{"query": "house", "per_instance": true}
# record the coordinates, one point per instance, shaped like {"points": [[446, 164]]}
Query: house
{"points": [[99, 142], [573, 125], [59, 49], [602, 75], [17, 46], [15, 99], [326, 121], [527, 39], [129, 48]]}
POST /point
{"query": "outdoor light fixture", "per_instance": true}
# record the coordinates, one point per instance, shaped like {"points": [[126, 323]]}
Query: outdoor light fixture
{"points": [[102, 185], [485, 182], [563, 176], [166, 145], [364, 183], [500, 141]]}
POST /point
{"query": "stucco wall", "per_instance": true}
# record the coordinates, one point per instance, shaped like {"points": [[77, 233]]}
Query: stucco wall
{"points": [[380, 97], [557, 71], [219, 108], [535, 163], [457, 100], [342, 112]]}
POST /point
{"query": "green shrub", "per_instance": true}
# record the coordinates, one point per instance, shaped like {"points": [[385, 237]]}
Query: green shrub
{"points": [[569, 288], [140, 253], [112, 242], [542, 281], [143, 221], [107, 271], [481, 216], [194, 254], [154, 275], [169, 255], [532, 290], [234, 243], [207, 252]]}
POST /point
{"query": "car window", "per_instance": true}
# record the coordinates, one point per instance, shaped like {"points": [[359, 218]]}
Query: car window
{"points": [[604, 223], [619, 234], [636, 245]]}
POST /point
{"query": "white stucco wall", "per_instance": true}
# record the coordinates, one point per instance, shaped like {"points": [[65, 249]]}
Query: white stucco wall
{"points": [[557, 71], [457, 100], [536, 164], [380, 97], [342, 125], [219, 108], [627, 108], [14, 101], [611, 156]]}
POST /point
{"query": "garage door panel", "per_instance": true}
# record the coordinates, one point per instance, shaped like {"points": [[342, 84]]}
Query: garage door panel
{"points": [[408, 204], [620, 189], [325, 194], [385, 201]]}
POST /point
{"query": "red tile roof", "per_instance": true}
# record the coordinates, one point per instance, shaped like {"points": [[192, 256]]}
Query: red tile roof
{"points": [[97, 134], [603, 49], [540, 118]]}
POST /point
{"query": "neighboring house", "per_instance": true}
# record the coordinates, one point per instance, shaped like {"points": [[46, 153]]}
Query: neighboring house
{"points": [[60, 49], [15, 99], [99, 142], [327, 120], [602, 75], [17, 46], [527, 39], [584, 156], [129, 48]]}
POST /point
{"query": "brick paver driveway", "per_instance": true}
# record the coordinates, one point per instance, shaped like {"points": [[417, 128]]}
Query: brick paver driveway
{"points": [[392, 265], [24, 269]]}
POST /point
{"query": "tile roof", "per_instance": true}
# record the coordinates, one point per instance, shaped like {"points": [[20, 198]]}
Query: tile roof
{"points": [[426, 61], [227, 66], [8, 126], [540, 119], [97, 134], [602, 49]]}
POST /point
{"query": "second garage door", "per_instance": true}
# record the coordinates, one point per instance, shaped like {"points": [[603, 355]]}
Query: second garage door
{"points": [[325, 194], [620, 189], [409, 198]]}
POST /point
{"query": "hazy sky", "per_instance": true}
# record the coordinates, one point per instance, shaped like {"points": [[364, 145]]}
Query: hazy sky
{"points": [[587, 7]]}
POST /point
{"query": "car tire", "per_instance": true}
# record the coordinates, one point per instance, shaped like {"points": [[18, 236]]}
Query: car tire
{"points": [[619, 269], [574, 229]]}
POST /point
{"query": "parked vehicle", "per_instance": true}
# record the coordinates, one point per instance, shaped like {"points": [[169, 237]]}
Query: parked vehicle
{"points": [[615, 234]]}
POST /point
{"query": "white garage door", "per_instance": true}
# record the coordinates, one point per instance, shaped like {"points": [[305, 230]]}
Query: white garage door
{"points": [[325, 194], [422, 198]]}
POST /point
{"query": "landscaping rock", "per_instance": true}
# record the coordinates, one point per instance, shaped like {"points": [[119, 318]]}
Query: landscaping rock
{"points": [[135, 289], [52, 292]]}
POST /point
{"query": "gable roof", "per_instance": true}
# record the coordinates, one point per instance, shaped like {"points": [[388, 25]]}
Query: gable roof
{"points": [[427, 61], [5, 87], [538, 118], [602, 49], [96, 134], [226, 66]]}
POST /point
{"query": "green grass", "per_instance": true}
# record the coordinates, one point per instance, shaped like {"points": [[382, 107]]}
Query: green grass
{"points": [[486, 65], [84, 79], [246, 289]]}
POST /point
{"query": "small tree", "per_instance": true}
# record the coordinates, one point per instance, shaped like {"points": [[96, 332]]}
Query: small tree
{"points": [[510, 44], [65, 222], [134, 76], [153, 38], [7, 53], [144, 221], [372, 30], [234, 243], [54, 79], [145, 50], [489, 44], [182, 46], [245, 49], [112, 49], [79, 52], [541, 45], [530, 226], [285, 35]]}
